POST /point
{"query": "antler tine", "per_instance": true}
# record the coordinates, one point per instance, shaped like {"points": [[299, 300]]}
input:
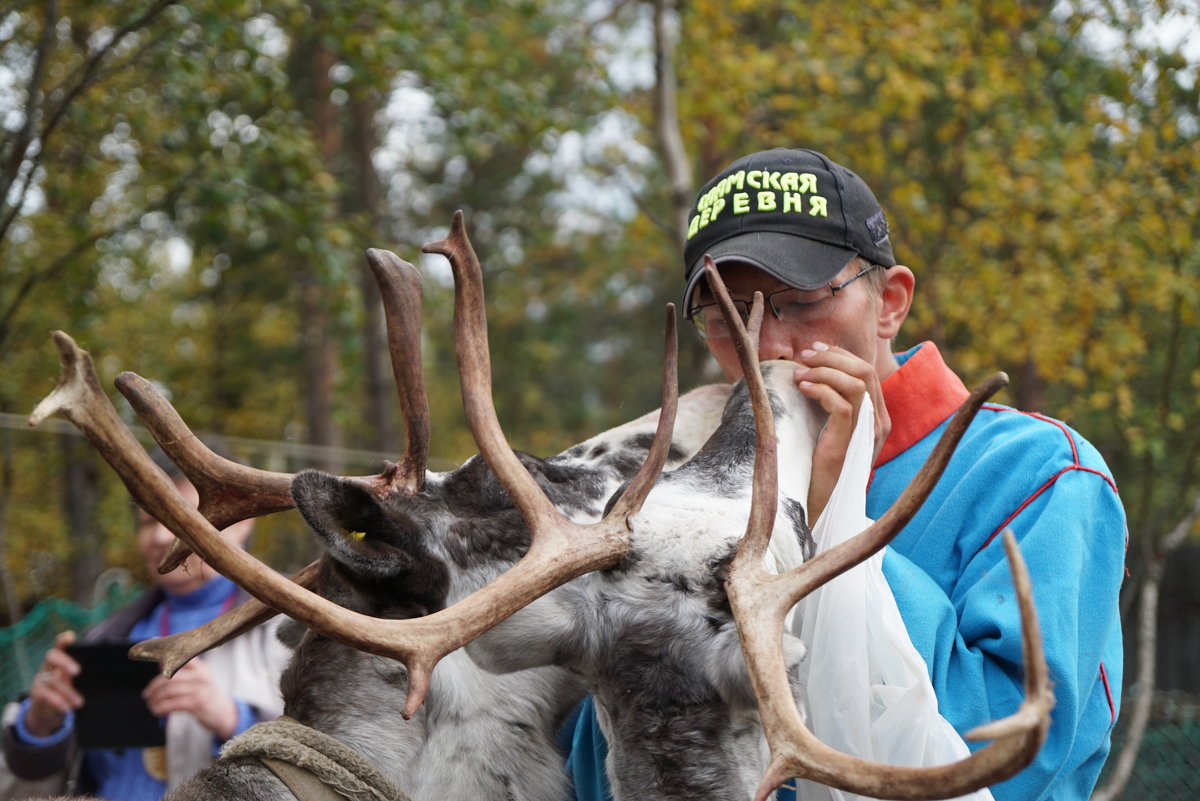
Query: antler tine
{"points": [[754, 323], [400, 287], [556, 555], [229, 492], [177, 553], [796, 752], [176, 650], [760, 602], [474, 362], [1033, 713], [475, 369], [747, 579], [639, 487], [765, 487]]}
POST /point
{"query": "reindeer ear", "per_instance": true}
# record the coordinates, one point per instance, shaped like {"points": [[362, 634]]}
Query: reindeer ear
{"points": [[370, 540]]}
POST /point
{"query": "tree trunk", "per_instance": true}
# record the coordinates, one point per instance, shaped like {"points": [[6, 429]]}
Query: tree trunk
{"points": [[8, 593], [312, 84], [320, 369], [81, 502], [1147, 642], [380, 400], [681, 186], [1030, 388], [666, 127]]}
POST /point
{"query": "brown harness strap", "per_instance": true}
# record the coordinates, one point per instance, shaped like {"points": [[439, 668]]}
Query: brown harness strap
{"points": [[313, 765], [303, 784]]}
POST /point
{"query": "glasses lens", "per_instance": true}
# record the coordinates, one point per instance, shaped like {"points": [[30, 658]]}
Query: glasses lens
{"points": [[711, 323], [800, 305]]}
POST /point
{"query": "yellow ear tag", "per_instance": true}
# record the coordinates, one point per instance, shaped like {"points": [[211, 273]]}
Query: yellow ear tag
{"points": [[357, 535]]}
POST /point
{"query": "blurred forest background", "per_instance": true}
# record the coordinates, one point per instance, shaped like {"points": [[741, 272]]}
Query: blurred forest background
{"points": [[187, 189]]}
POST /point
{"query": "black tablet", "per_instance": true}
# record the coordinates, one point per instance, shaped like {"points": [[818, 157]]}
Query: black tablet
{"points": [[113, 715]]}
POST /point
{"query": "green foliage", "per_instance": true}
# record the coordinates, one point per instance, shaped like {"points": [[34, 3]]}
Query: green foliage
{"points": [[206, 190], [1034, 187], [196, 193]]}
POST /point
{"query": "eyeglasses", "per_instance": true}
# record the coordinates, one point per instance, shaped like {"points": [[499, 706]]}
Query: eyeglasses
{"points": [[788, 305]]}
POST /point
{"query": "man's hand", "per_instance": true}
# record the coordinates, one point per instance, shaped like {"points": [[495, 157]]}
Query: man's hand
{"points": [[838, 380], [53, 694], [193, 689]]}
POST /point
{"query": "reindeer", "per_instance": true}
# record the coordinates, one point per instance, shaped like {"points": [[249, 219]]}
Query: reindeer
{"points": [[681, 677], [479, 734]]}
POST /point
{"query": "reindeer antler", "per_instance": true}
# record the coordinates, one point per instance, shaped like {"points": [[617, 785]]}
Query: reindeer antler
{"points": [[230, 492], [176, 650], [559, 551], [400, 287], [760, 602], [474, 364]]}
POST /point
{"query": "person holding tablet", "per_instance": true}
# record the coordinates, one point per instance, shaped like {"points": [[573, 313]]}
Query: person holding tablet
{"points": [[210, 700]]}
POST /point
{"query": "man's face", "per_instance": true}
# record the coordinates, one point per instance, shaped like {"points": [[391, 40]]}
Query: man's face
{"points": [[851, 321]]}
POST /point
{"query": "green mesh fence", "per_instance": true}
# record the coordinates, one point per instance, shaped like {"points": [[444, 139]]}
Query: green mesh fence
{"points": [[23, 644], [1168, 763]]}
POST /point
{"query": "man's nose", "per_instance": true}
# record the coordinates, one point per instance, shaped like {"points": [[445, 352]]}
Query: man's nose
{"points": [[775, 340]]}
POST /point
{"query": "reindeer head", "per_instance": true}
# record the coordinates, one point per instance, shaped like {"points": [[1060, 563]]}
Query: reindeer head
{"points": [[436, 547]]}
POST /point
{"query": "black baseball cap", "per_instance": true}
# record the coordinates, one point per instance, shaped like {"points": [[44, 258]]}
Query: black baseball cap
{"points": [[792, 213]]}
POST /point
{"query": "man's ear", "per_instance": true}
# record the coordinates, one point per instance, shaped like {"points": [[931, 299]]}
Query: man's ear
{"points": [[895, 300]]}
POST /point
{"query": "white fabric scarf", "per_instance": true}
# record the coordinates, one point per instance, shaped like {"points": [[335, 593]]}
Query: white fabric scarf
{"points": [[866, 689]]}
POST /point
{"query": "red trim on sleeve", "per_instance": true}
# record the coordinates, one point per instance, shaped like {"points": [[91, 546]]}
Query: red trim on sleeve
{"points": [[1070, 441], [1056, 423], [928, 392], [1112, 707], [1042, 489], [1075, 465], [1025, 503]]}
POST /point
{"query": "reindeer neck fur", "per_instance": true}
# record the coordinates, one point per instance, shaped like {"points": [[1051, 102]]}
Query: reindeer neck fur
{"points": [[479, 734], [347, 694], [674, 696], [351, 695], [655, 637], [484, 535], [699, 511]]}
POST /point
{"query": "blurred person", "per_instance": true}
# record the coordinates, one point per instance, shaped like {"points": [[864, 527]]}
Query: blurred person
{"points": [[210, 700]]}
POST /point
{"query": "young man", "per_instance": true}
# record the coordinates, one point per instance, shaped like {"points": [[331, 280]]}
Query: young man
{"points": [[810, 235]]}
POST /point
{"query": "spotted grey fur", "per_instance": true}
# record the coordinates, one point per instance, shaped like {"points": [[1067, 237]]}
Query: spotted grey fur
{"points": [[654, 637], [479, 734]]}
